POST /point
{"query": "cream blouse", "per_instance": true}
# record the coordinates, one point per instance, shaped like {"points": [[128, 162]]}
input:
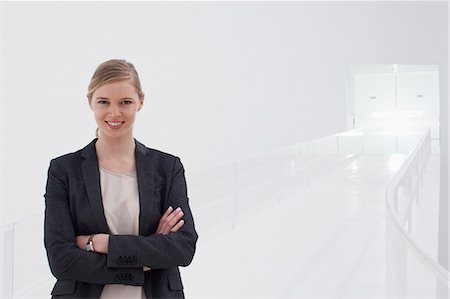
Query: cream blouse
{"points": [[121, 205]]}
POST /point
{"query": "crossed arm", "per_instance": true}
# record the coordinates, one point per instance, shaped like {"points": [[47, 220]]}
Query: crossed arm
{"points": [[118, 258], [171, 221]]}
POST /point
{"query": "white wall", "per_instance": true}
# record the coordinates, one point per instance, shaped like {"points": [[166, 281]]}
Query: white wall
{"points": [[222, 79]]}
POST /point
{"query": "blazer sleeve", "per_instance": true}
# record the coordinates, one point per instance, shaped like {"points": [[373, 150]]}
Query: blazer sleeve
{"points": [[159, 251], [66, 260]]}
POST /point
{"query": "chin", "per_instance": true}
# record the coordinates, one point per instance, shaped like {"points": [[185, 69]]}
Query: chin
{"points": [[117, 134]]}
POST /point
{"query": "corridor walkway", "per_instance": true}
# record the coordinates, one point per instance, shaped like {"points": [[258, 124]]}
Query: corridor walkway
{"points": [[326, 240]]}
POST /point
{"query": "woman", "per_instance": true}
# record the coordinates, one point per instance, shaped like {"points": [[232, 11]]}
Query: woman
{"points": [[117, 218]]}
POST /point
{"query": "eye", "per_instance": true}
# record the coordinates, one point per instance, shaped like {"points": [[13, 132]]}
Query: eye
{"points": [[102, 102], [126, 102]]}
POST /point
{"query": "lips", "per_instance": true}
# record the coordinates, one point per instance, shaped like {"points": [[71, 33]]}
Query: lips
{"points": [[114, 124]]}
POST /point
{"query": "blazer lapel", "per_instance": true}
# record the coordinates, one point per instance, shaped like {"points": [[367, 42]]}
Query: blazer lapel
{"points": [[145, 176], [91, 177]]}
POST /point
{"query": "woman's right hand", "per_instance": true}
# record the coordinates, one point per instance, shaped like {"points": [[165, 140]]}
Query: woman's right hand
{"points": [[171, 221]]}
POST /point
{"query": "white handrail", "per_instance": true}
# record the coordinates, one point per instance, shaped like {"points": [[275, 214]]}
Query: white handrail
{"points": [[391, 193], [24, 218]]}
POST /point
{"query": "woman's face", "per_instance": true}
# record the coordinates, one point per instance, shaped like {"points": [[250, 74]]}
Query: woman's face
{"points": [[115, 106]]}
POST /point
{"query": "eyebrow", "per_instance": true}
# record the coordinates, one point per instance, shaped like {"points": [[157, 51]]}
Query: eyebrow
{"points": [[106, 98]]}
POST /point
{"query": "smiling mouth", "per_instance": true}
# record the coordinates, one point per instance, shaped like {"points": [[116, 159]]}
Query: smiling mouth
{"points": [[114, 124]]}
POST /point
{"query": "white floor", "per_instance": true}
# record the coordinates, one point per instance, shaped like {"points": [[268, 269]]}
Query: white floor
{"points": [[322, 241]]}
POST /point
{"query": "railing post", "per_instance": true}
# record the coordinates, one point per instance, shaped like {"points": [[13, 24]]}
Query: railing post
{"points": [[235, 194], [8, 261], [396, 201], [280, 178], [410, 215], [419, 184], [409, 180], [337, 145]]}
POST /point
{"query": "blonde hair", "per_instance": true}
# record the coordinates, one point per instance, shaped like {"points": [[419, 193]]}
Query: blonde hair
{"points": [[112, 71]]}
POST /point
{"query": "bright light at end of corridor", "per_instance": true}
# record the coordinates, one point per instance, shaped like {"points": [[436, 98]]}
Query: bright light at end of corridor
{"points": [[397, 121]]}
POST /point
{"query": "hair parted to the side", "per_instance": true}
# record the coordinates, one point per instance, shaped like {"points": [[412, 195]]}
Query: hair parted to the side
{"points": [[112, 71]]}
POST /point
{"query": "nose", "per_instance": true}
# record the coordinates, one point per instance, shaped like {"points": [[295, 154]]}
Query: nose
{"points": [[114, 110]]}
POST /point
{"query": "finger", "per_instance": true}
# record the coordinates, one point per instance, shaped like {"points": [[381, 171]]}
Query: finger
{"points": [[166, 214], [164, 217], [168, 211], [171, 220], [177, 226], [173, 214], [165, 224], [176, 218]]}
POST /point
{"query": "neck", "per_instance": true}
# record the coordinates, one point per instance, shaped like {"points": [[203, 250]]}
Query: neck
{"points": [[111, 148]]}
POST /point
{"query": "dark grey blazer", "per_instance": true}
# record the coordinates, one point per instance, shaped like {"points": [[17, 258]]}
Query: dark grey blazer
{"points": [[73, 206]]}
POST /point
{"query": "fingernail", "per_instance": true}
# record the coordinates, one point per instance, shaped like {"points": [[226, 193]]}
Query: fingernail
{"points": [[178, 209], [170, 208]]}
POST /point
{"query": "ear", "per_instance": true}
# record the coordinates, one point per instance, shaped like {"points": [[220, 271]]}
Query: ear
{"points": [[141, 103], [89, 102]]}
